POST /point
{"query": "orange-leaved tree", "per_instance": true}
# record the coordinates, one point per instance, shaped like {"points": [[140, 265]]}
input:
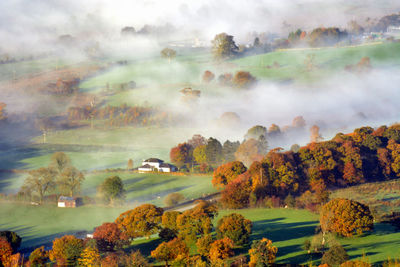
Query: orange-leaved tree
{"points": [[346, 217], [172, 250], [141, 221], [66, 250], [236, 227], [227, 172], [109, 236], [221, 249]]}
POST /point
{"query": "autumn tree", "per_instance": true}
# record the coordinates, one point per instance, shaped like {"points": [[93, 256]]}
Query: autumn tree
{"points": [[221, 249], [262, 253], [199, 154], [181, 154], [208, 76], [13, 238], [89, 257], [203, 245], [59, 162], [236, 227], [196, 221], [141, 221], [170, 251], [168, 219], [355, 263], [129, 165], [168, 53], [66, 250], [228, 150], [346, 217], [227, 173], [109, 236], [5, 252], [40, 181], [236, 194], [223, 46], [197, 140], [38, 257], [70, 181], [136, 259], [243, 79], [112, 189], [315, 136]]}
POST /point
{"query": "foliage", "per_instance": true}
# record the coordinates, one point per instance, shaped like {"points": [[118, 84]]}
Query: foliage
{"points": [[326, 36], [167, 234], [174, 199], [168, 219], [335, 256], [5, 251], [208, 76], [199, 154], [203, 245], [235, 227], [181, 154], [346, 217], [70, 181], [40, 181], [90, 257], [129, 165], [262, 253], [223, 46], [169, 251], [168, 53], [243, 79], [250, 150], [236, 194], [141, 221], [213, 151], [13, 238], [39, 256], [109, 236], [227, 173], [355, 263], [66, 250], [136, 259], [221, 249], [112, 189]]}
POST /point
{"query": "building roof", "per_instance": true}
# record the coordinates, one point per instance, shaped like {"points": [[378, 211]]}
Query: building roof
{"points": [[154, 160], [64, 198], [166, 165], [146, 166]]}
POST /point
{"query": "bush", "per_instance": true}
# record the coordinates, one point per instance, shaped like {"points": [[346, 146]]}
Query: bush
{"points": [[335, 256], [243, 79], [174, 199]]}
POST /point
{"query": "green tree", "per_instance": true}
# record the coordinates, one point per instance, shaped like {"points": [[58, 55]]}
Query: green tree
{"points": [[40, 181], [262, 253], [168, 53], [223, 46], [59, 162], [213, 151], [335, 256], [174, 199], [112, 189], [70, 181]]}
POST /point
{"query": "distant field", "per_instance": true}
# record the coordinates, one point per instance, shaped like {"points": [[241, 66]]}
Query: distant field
{"points": [[326, 61]]}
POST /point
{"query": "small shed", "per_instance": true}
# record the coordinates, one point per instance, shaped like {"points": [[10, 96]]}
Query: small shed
{"points": [[68, 202]]}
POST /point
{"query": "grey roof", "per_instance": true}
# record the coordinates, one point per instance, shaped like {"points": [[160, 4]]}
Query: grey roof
{"points": [[147, 166], [166, 165], [154, 160], [64, 198]]}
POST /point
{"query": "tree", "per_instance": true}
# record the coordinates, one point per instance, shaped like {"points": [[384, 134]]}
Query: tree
{"points": [[223, 46], [315, 136], [243, 79], [90, 257], [38, 257], [256, 132], [262, 253], [356, 263], [203, 245], [141, 221], [221, 249], [174, 199], [346, 217], [168, 53], [168, 219], [13, 238], [108, 236], [250, 150], [208, 76], [181, 154], [66, 250], [136, 259], [335, 256], [59, 162], [199, 154], [129, 165], [5, 252], [70, 181], [213, 151], [40, 181], [112, 189], [169, 251], [228, 150], [227, 173], [236, 194], [197, 140], [236, 227]]}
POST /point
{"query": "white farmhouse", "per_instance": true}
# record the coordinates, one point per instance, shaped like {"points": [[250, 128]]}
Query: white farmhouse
{"points": [[154, 164]]}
